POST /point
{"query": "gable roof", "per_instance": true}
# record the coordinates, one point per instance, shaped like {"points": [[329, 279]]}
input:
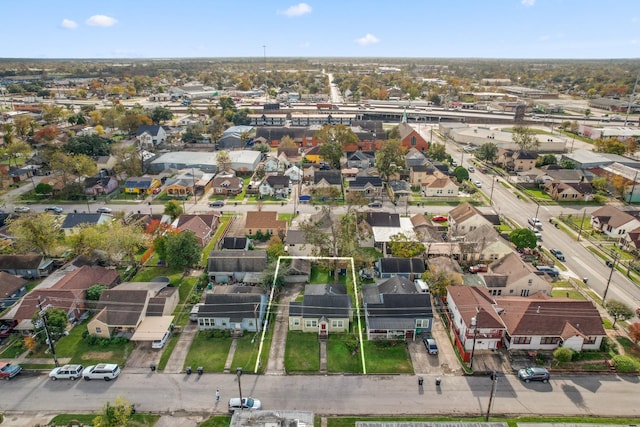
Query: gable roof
{"points": [[20, 262], [72, 220], [263, 220], [511, 266], [463, 212], [475, 301], [9, 284], [65, 299], [316, 306], [278, 180], [363, 181], [86, 276], [152, 130], [401, 306], [382, 219], [612, 216], [332, 177], [402, 265], [234, 261], [233, 306], [122, 307]]}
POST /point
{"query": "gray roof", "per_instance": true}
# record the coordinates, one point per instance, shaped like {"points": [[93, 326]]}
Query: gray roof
{"points": [[237, 261], [233, 306], [123, 306], [382, 219], [363, 181], [20, 262], [328, 289], [402, 265], [410, 306], [234, 243], [72, 220], [332, 177], [316, 306], [150, 129], [397, 285]]}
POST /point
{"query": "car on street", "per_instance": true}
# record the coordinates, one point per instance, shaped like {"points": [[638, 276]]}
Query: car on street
{"points": [[55, 209], [375, 204], [558, 254], [551, 271], [22, 209], [102, 371], [430, 345], [478, 184], [6, 327], [533, 373], [66, 372], [9, 370], [216, 204], [440, 218], [247, 403], [103, 209]]}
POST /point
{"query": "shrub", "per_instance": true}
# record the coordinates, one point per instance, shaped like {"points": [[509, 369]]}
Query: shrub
{"points": [[563, 354], [218, 333], [624, 363]]}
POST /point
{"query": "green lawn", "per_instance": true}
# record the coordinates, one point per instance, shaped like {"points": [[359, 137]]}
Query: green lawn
{"points": [[387, 359], [302, 353], [216, 421], [146, 274], [168, 349], [136, 420], [320, 276], [567, 293], [340, 357], [14, 348], [210, 353], [247, 352]]}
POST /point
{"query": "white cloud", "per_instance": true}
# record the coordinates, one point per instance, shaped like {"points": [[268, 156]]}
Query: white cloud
{"points": [[101, 21], [69, 24], [297, 10], [368, 39], [528, 2]]}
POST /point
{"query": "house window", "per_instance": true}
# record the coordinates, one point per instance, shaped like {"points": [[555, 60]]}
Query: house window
{"points": [[422, 323], [337, 324], [549, 340], [296, 322], [414, 140], [310, 323], [496, 292], [522, 340], [250, 322], [98, 330], [589, 340], [438, 191], [524, 293]]}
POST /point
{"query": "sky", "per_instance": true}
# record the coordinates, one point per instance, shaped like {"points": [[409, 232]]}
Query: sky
{"points": [[554, 29]]}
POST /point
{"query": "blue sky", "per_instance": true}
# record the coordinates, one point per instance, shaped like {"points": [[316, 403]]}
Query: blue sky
{"points": [[326, 28]]}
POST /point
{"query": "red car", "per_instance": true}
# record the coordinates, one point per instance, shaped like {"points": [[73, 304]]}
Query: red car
{"points": [[7, 327], [440, 218], [479, 268]]}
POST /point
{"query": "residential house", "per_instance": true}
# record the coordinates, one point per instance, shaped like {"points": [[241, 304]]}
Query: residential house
{"points": [[272, 165], [295, 243], [360, 159], [276, 186], [409, 268], [106, 162], [203, 226], [141, 185], [383, 226], [410, 138], [414, 157], [151, 135], [396, 310], [516, 160], [233, 308], [370, 187], [100, 185], [561, 191], [264, 222], [142, 311], [423, 173], [425, 230], [613, 222], [484, 245], [299, 271], [510, 276], [294, 173], [465, 218], [235, 243], [12, 288], [324, 309], [29, 266], [73, 221], [440, 187], [327, 178], [227, 185], [448, 265], [236, 266], [312, 155]]}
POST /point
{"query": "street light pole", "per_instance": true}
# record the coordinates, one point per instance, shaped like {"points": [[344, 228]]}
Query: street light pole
{"points": [[494, 381], [239, 374]]}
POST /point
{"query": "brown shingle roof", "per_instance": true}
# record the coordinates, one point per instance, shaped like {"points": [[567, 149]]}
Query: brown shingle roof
{"points": [[20, 262], [264, 220], [9, 284], [65, 299], [463, 212], [123, 307], [86, 276]]}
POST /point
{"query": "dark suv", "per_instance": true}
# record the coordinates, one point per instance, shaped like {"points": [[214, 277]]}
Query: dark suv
{"points": [[533, 374], [558, 254]]}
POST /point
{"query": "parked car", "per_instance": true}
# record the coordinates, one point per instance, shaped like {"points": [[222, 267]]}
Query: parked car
{"points": [[8, 370], [103, 209], [157, 344], [55, 209], [478, 268], [551, 271], [533, 374], [216, 204], [247, 403], [66, 372], [102, 371], [7, 327], [558, 254], [22, 209], [478, 184], [440, 218], [535, 222], [375, 204], [430, 345]]}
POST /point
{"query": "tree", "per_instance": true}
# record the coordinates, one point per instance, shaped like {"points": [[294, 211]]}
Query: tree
{"points": [[523, 238], [270, 272], [24, 125], [624, 363], [287, 142], [332, 152], [337, 133], [618, 310], [47, 133], [438, 152], [525, 138], [390, 158], [394, 133], [94, 292], [461, 174], [438, 281], [487, 152], [183, 249], [193, 133], [610, 146], [116, 415], [161, 114], [40, 232], [17, 149], [173, 209], [223, 160], [87, 240], [563, 354], [547, 159], [68, 166], [403, 247], [600, 183], [43, 188], [56, 324], [275, 248], [634, 332], [89, 145]]}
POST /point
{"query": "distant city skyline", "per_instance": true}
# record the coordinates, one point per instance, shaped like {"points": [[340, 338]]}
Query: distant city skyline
{"points": [[510, 29]]}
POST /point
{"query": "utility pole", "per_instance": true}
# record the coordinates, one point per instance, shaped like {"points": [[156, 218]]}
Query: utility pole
{"points": [[239, 374], [631, 97], [491, 195], [633, 188], [584, 212], [494, 381], [613, 267], [474, 323], [43, 317]]}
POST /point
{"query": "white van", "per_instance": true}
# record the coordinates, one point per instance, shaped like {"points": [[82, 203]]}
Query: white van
{"points": [[421, 286], [161, 342], [193, 314]]}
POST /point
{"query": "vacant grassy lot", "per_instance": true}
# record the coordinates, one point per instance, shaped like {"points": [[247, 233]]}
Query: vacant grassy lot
{"points": [[387, 357], [342, 355], [136, 420], [210, 353], [302, 353]]}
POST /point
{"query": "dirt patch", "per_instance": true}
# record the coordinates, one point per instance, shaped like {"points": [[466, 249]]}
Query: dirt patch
{"points": [[106, 355]]}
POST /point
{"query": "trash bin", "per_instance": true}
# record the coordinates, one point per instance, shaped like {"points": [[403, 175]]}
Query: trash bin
{"points": [[188, 370], [420, 381], [200, 370], [153, 367]]}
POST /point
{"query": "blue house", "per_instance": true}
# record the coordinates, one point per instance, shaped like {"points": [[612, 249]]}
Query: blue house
{"points": [[237, 309]]}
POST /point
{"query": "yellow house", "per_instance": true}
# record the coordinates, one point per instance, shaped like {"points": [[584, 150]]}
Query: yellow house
{"points": [[141, 185], [321, 314], [313, 155]]}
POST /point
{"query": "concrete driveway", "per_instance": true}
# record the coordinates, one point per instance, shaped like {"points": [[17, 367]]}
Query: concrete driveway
{"points": [[444, 363]]}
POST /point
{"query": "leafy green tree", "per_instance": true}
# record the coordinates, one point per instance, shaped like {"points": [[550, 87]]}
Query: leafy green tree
{"points": [[43, 188], [438, 282], [624, 363], [56, 324], [525, 138], [337, 133], [487, 152], [39, 232], [567, 164], [618, 310], [390, 158], [332, 152], [116, 415], [160, 246], [70, 166], [17, 149], [563, 354], [89, 145], [94, 292], [547, 159], [275, 248], [610, 146], [523, 238], [193, 133], [461, 173], [394, 133], [161, 114], [173, 209], [438, 152], [87, 240], [183, 249], [403, 247], [270, 272], [600, 183], [240, 117]]}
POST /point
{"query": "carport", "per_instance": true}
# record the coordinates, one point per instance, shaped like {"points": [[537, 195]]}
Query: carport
{"points": [[152, 328]]}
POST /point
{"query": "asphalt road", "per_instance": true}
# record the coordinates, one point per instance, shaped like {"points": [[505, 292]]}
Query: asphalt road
{"points": [[330, 395]]}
